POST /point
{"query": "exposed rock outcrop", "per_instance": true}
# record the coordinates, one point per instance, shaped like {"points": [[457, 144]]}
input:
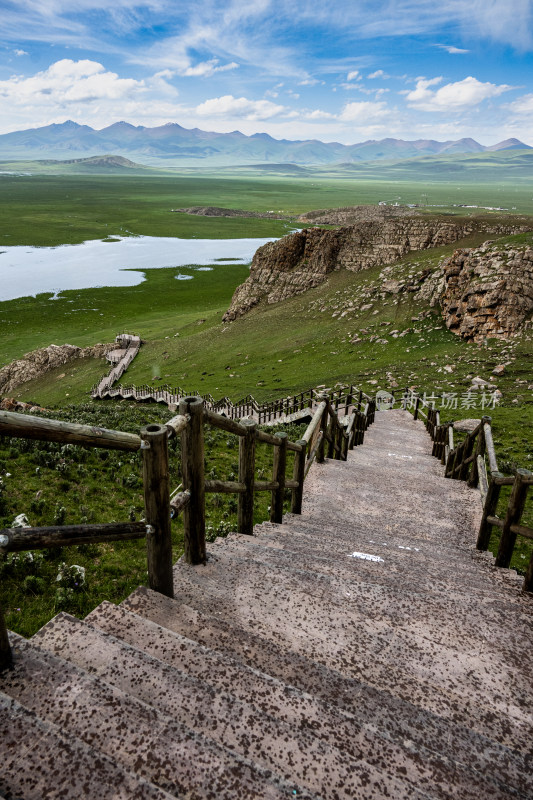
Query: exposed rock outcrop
{"points": [[302, 260], [38, 362], [216, 211], [484, 292], [351, 215]]}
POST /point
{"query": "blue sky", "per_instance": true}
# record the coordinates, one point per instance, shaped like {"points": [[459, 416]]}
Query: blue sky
{"points": [[338, 71]]}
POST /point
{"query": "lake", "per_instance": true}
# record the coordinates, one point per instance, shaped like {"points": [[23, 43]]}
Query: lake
{"points": [[28, 271]]}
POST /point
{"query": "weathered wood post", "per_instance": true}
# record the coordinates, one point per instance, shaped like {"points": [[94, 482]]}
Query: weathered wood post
{"points": [[192, 460], [298, 474], [417, 404], [489, 510], [338, 438], [156, 482], [515, 508], [321, 452], [6, 656], [278, 475], [360, 400], [480, 445], [245, 510]]}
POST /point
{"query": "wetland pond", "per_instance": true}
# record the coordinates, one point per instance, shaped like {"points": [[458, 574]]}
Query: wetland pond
{"points": [[118, 261]]}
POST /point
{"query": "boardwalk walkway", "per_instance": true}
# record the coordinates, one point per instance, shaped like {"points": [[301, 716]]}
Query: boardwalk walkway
{"points": [[362, 650]]}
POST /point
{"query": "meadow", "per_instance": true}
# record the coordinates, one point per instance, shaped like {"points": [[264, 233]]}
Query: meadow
{"points": [[321, 337]]}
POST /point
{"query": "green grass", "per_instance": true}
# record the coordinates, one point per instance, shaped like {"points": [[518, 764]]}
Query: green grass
{"points": [[271, 352], [66, 484], [50, 210]]}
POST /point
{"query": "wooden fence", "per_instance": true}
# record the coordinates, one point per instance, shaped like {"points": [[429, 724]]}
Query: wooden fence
{"points": [[342, 398], [326, 435], [467, 461]]}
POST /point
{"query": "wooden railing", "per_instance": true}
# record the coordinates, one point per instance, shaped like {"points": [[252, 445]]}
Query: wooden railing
{"points": [[467, 461], [342, 398], [326, 435]]}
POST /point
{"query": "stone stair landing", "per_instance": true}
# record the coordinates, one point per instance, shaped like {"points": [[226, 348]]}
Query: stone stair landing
{"points": [[361, 650]]}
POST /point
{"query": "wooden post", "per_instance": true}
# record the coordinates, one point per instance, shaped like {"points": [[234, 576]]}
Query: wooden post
{"points": [[298, 474], [156, 481], [192, 459], [360, 400], [339, 439], [278, 475], [468, 446], [245, 511], [344, 444], [321, 452], [480, 447], [416, 408], [489, 510], [515, 508]]}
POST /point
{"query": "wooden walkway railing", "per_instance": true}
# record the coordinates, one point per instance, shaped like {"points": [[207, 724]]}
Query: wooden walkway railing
{"points": [[467, 461], [326, 435], [342, 398]]}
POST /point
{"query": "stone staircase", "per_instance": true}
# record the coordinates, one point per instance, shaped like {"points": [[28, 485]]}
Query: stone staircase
{"points": [[361, 650]]}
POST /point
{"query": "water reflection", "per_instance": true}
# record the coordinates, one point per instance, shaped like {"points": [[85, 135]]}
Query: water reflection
{"points": [[27, 271]]}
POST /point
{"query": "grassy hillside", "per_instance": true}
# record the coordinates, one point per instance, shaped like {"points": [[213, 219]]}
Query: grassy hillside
{"points": [[347, 330]]}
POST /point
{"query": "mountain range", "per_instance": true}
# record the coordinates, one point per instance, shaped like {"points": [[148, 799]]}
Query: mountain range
{"points": [[171, 144]]}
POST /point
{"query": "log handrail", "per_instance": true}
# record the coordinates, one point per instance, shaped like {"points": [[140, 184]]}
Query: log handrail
{"points": [[159, 505], [467, 462]]}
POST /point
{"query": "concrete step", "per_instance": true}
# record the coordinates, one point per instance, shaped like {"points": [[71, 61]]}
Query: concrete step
{"points": [[416, 579], [332, 536], [136, 735], [414, 565], [359, 739], [40, 761], [293, 753], [444, 730], [321, 617]]}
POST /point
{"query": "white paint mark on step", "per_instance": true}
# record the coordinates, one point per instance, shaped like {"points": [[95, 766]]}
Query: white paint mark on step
{"points": [[395, 455], [402, 547], [366, 557]]}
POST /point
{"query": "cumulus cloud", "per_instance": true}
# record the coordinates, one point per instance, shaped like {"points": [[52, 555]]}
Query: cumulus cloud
{"points": [[20, 52], [239, 107], [353, 75], [379, 74], [453, 96], [364, 112], [68, 82], [207, 68]]}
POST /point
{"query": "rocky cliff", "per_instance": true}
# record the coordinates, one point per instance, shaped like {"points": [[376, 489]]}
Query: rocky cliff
{"points": [[302, 260], [484, 292], [38, 362]]}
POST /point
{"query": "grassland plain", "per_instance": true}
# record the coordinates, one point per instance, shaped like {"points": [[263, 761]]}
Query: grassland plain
{"points": [[46, 210], [347, 330]]}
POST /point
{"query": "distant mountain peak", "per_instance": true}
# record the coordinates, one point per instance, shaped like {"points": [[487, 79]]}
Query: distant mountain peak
{"points": [[172, 143]]}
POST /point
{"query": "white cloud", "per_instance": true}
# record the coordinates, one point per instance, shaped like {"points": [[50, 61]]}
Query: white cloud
{"points": [[451, 49], [20, 52], [353, 75], [207, 68], [522, 105], [453, 96], [379, 74], [239, 107], [309, 82], [68, 82], [365, 112], [318, 114]]}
